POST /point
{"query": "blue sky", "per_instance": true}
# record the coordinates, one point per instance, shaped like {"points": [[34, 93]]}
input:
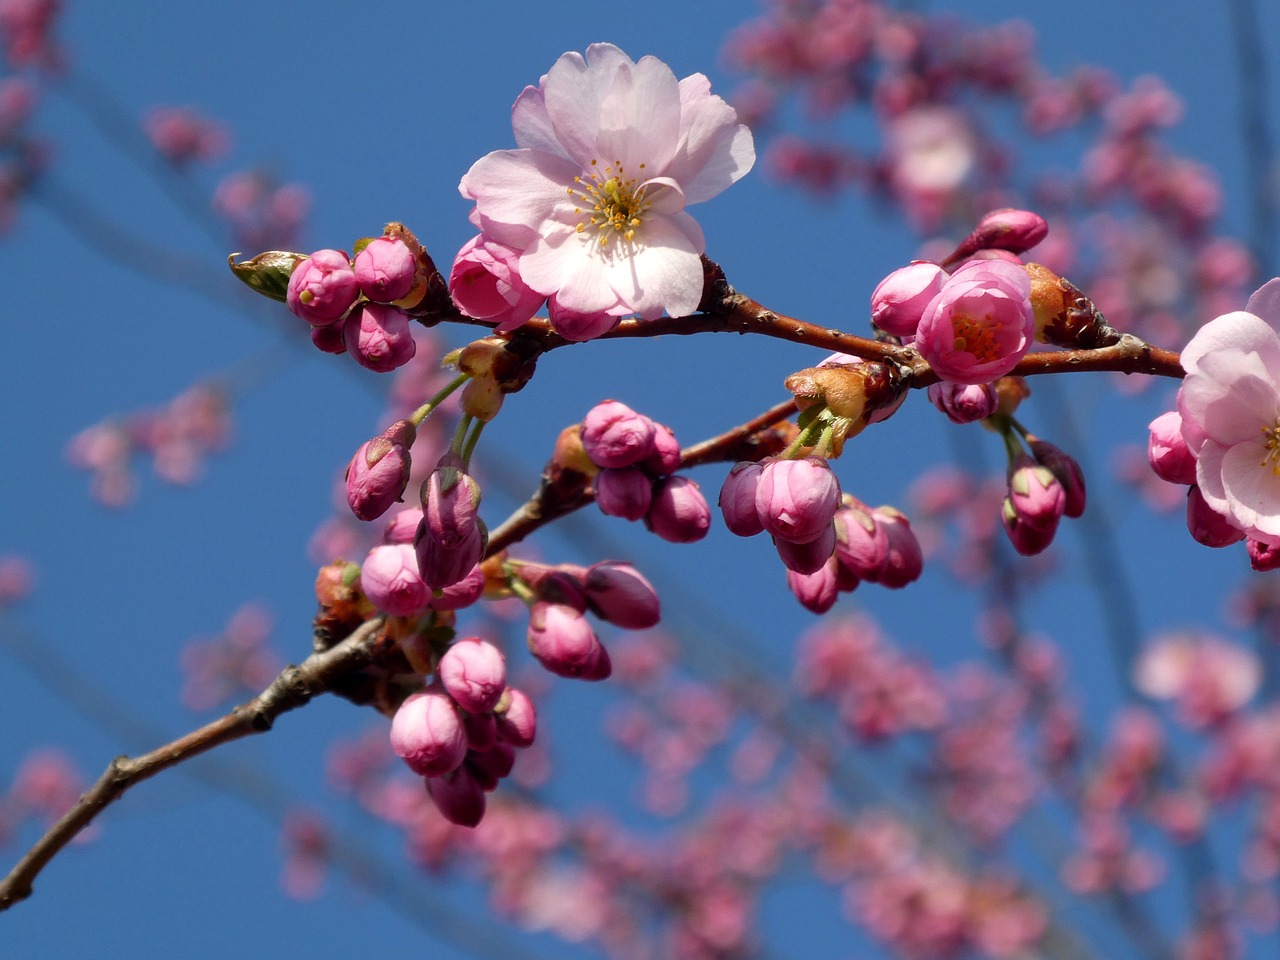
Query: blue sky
{"points": [[379, 111]]}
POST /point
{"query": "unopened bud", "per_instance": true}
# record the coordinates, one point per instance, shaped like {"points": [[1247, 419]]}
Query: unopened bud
{"points": [[1013, 230], [1065, 317]]}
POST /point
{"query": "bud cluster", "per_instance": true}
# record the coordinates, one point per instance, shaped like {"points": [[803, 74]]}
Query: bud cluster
{"points": [[462, 731], [975, 323], [559, 635], [636, 460], [355, 306], [1044, 486], [876, 545]]}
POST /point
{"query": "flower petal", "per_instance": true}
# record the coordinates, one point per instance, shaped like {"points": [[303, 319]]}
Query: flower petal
{"points": [[640, 118], [1252, 487], [574, 90], [1233, 331], [664, 272], [1265, 303], [515, 190], [532, 124]]}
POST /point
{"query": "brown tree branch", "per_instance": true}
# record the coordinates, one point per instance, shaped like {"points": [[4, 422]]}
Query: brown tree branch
{"points": [[294, 687]]}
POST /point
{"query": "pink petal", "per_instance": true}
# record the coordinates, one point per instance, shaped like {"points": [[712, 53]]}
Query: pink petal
{"points": [[517, 190], [571, 266], [575, 88], [1209, 477], [1252, 488], [664, 272], [1265, 303], [640, 118], [714, 149], [1232, 396], [532, 124], [1233, 331]]}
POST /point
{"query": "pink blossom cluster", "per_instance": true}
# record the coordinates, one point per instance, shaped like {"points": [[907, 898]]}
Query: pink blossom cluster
{"points": [[462, 731], [794, 500], [1210, 678], [17, 578], [392, 575], [352, 305], [177, 437], [932, 85], [1223, 440], [237, 662], [559, 635], [972, 326], [637, 459], [875, 545], [588, 213], [182, 136], [262, 214], [878, 692]]}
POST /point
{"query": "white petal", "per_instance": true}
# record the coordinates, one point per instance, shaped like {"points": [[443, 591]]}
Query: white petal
{"points": [[1233, 331], [1209, 477], [664, 273], [565, 263], [1265, 303]]}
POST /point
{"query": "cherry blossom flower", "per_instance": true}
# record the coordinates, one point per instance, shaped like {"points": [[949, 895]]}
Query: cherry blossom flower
{"points": [[1230, 408], [610, 153]]}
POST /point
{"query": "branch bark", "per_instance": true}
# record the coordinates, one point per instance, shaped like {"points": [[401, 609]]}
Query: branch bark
{"points": [[294, 687]]}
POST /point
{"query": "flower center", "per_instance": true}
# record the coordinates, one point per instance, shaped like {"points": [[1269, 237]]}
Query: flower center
{"points": [[976, 336], [1272, 456], [609, 202]]}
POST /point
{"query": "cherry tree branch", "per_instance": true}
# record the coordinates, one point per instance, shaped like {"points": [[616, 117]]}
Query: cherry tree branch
{"points": [[293, 688]]}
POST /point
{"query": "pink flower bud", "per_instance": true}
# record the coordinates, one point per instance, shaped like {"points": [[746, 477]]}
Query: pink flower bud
{"points": [[665, 459], [458, 797], [1026, 539], [451, 539], [810, 557], [1208, 526], [330, 338], [517, 719], [981, 323], [490, 766], [614, 435], [1263, 556], [485, 283], [738, 499], [379, 472], [797, 499], [481, 730], [322, 288], [461, 593], [679, 512], [390, 579], [378, 336], [618, 594], [1068, 472], [1016, 231], [1167, 450], [1035, 493], [427, 734], [444, 564], [862, 545], [905, 560], [899, 300], [576, 325], [385, 269], [964, 402], [403, 526], [816, 591], [474, 673], [625, 492], [563, 642]]}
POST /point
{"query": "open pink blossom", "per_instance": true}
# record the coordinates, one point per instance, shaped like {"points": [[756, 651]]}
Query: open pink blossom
{"points": [[610, 153], [1230, 408], [981, 323]]}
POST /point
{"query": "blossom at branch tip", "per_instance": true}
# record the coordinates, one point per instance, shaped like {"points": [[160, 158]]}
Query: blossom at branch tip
{"points": [[610, 152], [1230, 408]]}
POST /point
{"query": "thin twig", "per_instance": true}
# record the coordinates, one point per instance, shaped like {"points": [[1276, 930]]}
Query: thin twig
{"points": [[294, 687]]}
